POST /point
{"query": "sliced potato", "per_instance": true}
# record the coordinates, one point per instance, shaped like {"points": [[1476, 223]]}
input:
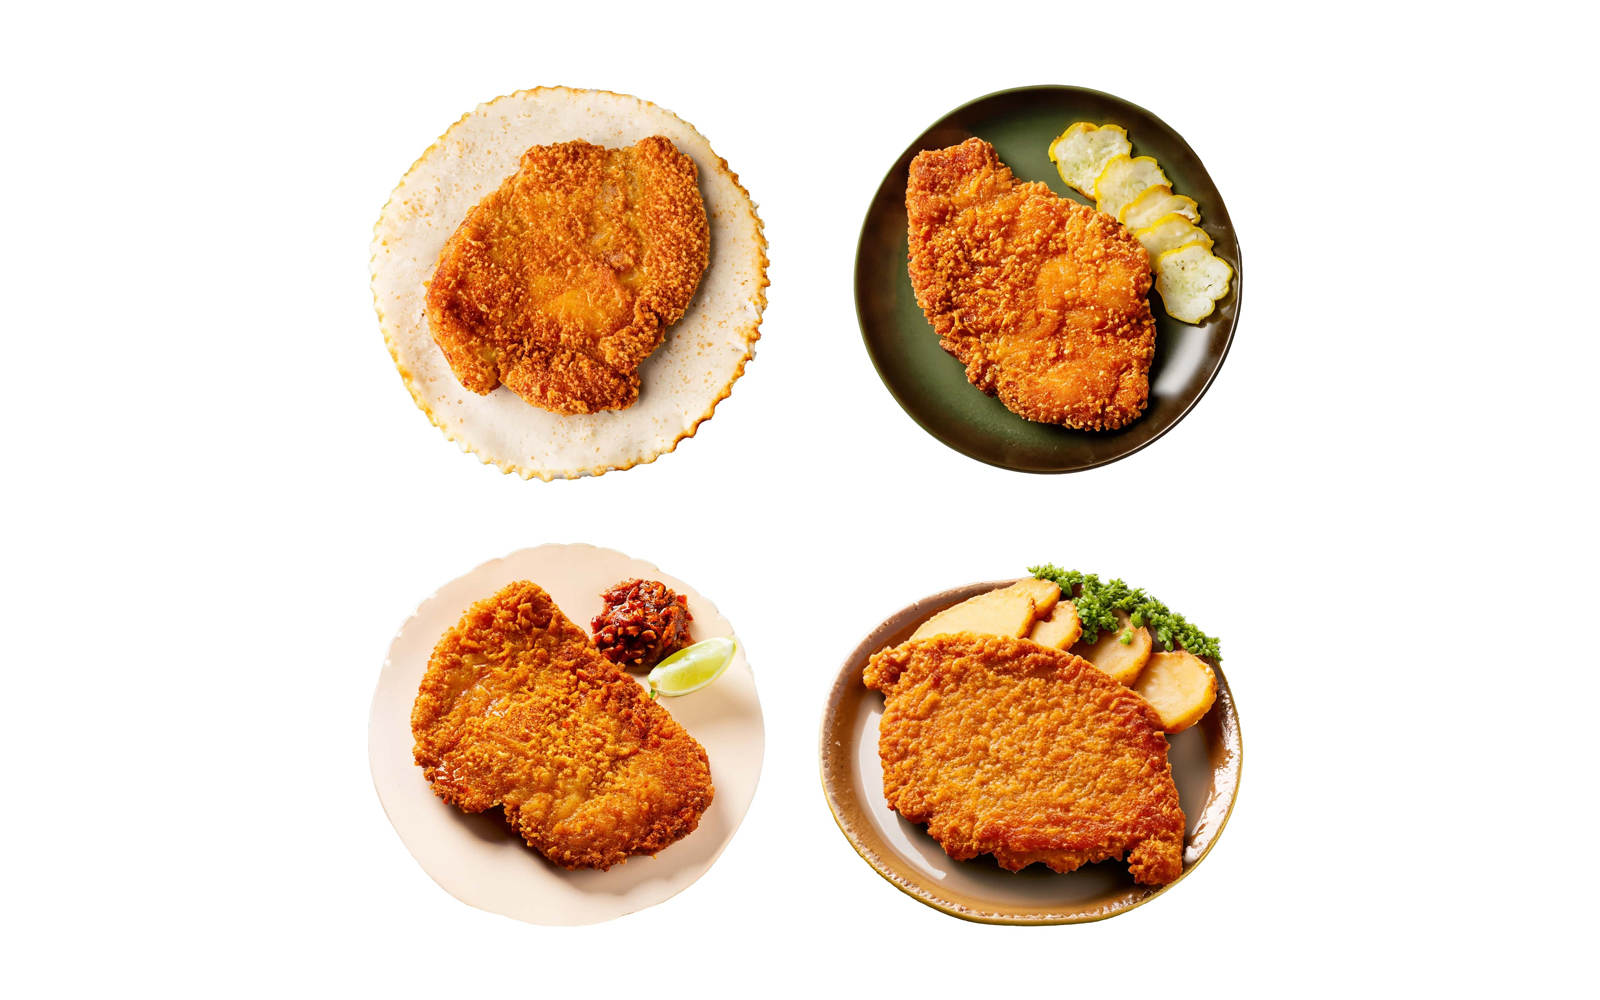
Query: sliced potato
{"points": [[1045, 594], [1060, 630], [1179, 686], [1121, 661], [1157, 201], [1007, 611], [1170, 232], [1124, 179], [1191, 279], [1081, 152]]}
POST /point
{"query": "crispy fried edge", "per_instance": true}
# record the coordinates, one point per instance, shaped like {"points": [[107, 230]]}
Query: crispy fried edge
{"points": [[1149, 865], [1112, 416], [653, 312], [660, 835]]}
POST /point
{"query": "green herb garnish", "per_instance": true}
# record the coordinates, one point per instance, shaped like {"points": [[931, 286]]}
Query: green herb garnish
{"points": [[1126, 638], [1098, 602]]}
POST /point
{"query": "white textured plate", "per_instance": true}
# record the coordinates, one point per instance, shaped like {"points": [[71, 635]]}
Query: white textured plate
{"points": [[680, 384], [478, 858]]}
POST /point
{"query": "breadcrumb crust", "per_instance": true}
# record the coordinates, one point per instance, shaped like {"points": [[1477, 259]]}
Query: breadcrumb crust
{"points": [[562, 280], [1005, 747], [519, 709], [1043, 299]]}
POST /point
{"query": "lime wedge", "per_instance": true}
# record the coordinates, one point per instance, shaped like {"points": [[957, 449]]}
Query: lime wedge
{"points": [[691, 668]]}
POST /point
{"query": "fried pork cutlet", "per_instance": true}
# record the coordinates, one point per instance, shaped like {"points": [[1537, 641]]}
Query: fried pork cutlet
{"points": [[1043, 299], [562, 281], [519, 709], [1006, 747]]}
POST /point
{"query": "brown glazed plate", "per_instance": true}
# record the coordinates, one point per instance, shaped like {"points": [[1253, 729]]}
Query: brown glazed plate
{"points": [[1205, 759], [932, 387]]}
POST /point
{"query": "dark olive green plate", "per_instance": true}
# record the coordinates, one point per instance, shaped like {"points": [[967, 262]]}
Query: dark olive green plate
{"points": [[932, 386]]}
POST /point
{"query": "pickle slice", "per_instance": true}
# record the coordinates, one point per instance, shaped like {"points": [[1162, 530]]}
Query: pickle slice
{"points": [[1191, 279], [1125, 178], [1081, 152]]}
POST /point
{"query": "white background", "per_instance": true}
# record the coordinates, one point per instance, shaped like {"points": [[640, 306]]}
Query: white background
{"points": [[221, 501]]}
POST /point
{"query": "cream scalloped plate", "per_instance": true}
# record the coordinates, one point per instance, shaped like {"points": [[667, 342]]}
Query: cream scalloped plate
{"points": [[680, 384], [478, 858]]}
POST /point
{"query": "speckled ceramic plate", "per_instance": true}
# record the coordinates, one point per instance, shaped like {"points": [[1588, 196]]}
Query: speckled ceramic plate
{"points": [[478, 858], [932, 387], [681, 383], [1205, 766]]}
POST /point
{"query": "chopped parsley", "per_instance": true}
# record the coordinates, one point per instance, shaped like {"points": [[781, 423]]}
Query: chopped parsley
{"points": [[1097, 603]]}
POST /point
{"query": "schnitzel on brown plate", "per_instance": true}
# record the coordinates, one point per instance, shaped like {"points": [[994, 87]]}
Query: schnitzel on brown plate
{"points": [[1003, 746], [561, 282], [519, 709], [1043, 299]]}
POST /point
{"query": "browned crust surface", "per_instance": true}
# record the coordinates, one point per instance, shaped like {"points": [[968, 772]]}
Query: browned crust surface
{"points": [[1002, 746], [1043, 299], [560, 282], [518, 709]]}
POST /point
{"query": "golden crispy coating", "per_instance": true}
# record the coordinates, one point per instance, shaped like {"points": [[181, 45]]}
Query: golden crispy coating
{"points": [[1041, 298], [562, 281], [519, 709], [1005, 747]]}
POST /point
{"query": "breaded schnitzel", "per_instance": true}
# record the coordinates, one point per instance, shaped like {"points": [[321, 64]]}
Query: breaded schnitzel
{"points": [[519, 709], [563, 280], [1005, 747], [1043, 299]]}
